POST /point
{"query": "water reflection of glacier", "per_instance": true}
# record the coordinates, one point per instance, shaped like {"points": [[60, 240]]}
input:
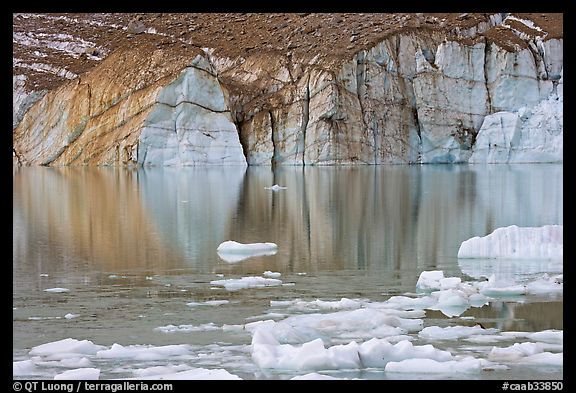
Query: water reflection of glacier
{"points": [[391, 218], [192, 207]]}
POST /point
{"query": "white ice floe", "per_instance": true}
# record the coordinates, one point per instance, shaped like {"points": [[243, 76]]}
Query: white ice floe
{"points": [[208, 303], [144, 352], [267, 352], [314, 376], [207, 327], [509, 269], [425, 366], [453, 332], [194, 374], [545, 358], [232, 252], [525, 352], [546, 285], [435, 280], [65, 348], [515, 242], [24, 368], [496, 287], [246, 282], [275, 187], [181, 371], [270, 274], [79, 374], [302, 305], [57, 290]]}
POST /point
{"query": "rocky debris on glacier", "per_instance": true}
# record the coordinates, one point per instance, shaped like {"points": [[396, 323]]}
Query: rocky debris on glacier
{"points": [[515, 242], [404, 88]]}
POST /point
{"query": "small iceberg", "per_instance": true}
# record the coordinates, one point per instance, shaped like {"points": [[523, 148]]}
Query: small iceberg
{"points": [[57, 290], [275, 187], [231, 251], [514, 242]]}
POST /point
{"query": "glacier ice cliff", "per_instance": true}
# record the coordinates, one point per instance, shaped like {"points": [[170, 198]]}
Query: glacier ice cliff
{"points": [[415, 96]]}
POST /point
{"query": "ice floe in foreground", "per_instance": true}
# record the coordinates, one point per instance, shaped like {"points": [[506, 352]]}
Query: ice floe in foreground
{"points": [[314, 376], [88, 373], [453, 332], [207, 327], [161, 373], [208, 303], [232, 252], [515, 242], [528, 352], [234, 284], [426, 366]]}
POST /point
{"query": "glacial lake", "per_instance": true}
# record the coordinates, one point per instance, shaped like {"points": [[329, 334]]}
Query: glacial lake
{"points": [[136, 251]]}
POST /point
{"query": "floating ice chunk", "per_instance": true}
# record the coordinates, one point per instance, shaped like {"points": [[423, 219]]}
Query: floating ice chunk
{"points": [[378, 352], [275, 187], [231, 246], [311, 355], [75, 362], [231, 251], [23, 368], [429, 280], [270, 274], [466, 365], [514, 242], [208, 303], [160, 370], [314, 376], [453, 332], [66, 346], [508, 268], [71, 316], [247, 282], [193, 374], [79, 374], [207, 327], [486, 338], [545, 285], [548, 336], [362, 324], [515, 352], [302, 305], [547, 358], [57, 290], [405, 302], [496, 287], [144, 352]]}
